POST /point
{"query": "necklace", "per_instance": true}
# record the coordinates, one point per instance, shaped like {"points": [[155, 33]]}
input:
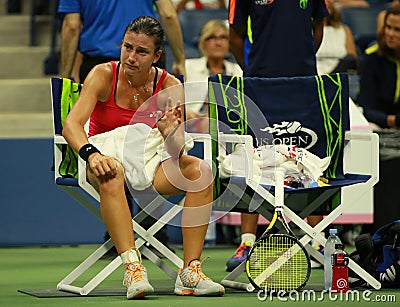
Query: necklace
{"points": [[145, 88]]}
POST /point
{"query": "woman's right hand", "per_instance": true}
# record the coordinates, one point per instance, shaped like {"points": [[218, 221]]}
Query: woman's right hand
{"points": [[103, 166]]}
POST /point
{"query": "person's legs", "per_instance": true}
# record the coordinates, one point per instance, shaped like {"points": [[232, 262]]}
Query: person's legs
{"points": [[117, 218], [249, 222], [313, 220], [193, 176]]}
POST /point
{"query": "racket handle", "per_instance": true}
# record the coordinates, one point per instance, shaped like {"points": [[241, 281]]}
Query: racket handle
{"points": [[250, 288], [279, 187], [237, 285]]}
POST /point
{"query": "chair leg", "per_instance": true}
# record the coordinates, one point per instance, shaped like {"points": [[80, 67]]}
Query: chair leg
{"points": [[66, 283], [144, 236]]}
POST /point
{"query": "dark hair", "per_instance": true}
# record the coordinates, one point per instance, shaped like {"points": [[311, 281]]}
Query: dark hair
{"points": [[149, 26], [383, 48]]}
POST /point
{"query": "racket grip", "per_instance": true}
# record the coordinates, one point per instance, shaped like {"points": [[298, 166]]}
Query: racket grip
{"points": [[250, 288], [237, 285], [279, 187]]}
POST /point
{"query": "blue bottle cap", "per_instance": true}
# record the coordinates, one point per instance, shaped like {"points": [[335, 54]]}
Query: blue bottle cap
{"points": [[332, 231]]}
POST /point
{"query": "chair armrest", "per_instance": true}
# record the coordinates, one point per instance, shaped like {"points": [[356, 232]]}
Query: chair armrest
{"points": [[82, 180], [368, 143], [247, 140], [207, 148], [59, 139]]}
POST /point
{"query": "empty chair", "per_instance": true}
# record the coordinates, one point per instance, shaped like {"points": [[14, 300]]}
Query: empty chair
{"points": [[362, 22], [193, 20], [309, 115]]}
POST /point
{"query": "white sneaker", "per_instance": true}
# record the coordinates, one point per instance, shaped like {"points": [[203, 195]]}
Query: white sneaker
{"points": [[192, 281], [135, 279]]}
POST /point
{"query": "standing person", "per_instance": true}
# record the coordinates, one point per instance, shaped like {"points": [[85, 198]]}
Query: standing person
{"points": [[214, 47], [94, 29], [379, 75], [284, 37], [338, 51], [117, 94]]}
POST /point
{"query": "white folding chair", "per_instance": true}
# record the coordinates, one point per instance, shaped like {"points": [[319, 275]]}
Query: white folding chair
{"points": [[70, 175], [310, 112]]}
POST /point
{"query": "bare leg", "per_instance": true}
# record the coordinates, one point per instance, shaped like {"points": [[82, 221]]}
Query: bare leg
{"points": [[193, 236], [313, 220], [249, 223], [196, 179], [115, 210]]}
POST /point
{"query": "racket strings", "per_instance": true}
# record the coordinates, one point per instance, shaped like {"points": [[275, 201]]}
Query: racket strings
{"points": [[280, 255]]}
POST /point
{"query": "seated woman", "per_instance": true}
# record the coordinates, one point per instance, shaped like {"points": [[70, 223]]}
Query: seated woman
{"points": [[214, 47], [381, 16], [379, 78], [338, 52], [111, 97]]}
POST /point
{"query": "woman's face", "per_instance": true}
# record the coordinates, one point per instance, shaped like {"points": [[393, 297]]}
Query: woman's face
{"points": [[217, 45], [138, 52], [392, 31]]}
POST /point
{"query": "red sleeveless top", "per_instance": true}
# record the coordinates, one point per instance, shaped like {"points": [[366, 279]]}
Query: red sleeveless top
{"points": [[108, 115]]}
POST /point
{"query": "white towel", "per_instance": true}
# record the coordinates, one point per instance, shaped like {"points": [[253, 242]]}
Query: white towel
{"points": [[237, 158], [307, 163], [291, 159], [139, 148]]}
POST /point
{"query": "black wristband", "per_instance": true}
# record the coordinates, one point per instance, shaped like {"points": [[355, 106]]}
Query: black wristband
{"points": [[397, 120], [86, 150]]}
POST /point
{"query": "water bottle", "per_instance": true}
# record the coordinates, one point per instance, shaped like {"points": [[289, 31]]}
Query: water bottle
{"points": [[328, 251], [340, 271]]}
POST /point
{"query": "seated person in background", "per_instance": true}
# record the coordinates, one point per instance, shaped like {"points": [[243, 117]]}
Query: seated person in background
{"points": [[111, 96], [199, 4], [214, 47], [381, 16], [379, 77], [338, 52]]}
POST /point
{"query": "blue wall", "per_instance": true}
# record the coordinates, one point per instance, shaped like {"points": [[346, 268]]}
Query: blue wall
{"points": [[34, 210]]}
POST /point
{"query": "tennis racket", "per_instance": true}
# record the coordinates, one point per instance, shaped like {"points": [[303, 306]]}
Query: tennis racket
{"points": [[278, 261]]}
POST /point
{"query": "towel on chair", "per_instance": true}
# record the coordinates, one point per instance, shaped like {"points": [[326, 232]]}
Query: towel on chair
{"points": [[69, 163], [292, 159], [139, 148]]}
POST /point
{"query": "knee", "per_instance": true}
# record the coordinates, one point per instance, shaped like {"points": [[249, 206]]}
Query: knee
{"points": [[200, 174], [113, 185]]}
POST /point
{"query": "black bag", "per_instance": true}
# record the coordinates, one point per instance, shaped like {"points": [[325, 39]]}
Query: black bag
{"points": [[379, 255]]}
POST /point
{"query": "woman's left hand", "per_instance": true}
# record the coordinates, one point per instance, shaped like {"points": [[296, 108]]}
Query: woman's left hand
{"points": [[171, 119]]}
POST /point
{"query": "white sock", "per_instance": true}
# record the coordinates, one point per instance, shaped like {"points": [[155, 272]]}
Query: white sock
{"points": [[131, 255], [248, 237]]}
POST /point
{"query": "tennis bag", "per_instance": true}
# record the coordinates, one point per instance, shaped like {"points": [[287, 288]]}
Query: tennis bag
{"points": [[379, 255]]}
